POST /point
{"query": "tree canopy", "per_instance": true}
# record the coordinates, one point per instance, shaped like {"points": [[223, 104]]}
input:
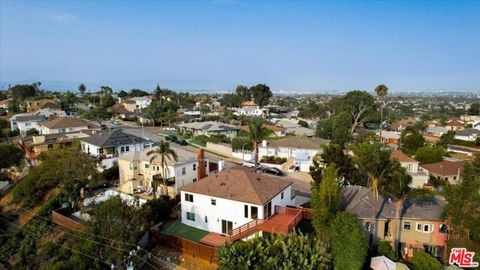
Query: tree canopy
{"points": [[10, 155], [261, 94], [430, 154], [23, 91]]}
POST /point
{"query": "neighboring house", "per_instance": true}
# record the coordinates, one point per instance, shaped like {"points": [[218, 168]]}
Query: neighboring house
{"points": [[35, 105], [49, 111], [249, 108], [141, 102], [402, 124], [297, 150], [469, 134], [108, 146], [390, 137], [138, 171], [276, 130], [436, 131], [421, 225], [62, 125], [210, 128], [5, 103], [419, 175], [235, 197], [464, 150], [25, 121], [301, 131], [35, 145], [447, 170]]}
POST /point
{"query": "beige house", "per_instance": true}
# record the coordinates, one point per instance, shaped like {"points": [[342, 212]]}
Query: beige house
{"points": [[447, 170], [421, 226], [419, 174], [138, 171]]}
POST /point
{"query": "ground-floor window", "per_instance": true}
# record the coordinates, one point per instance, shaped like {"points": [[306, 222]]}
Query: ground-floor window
{"points": [[191, 216]]}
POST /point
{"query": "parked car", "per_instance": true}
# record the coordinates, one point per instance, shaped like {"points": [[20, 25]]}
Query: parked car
{"points": [[171, 138], [271, 170], [293, 168], [181, 141], [249, 164], [170, 128]]}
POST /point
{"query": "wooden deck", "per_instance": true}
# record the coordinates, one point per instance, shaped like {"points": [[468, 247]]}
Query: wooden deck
{"points": [[213, 239]]}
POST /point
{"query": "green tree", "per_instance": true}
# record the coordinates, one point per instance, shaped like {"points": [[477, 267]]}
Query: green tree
{"points": [[122, 94], [396, 184], [107, 101], [382, 91], [430, 154], [68, 100], [334, 154], [295, 251], [10, 155], [474, 109], [303, 123], [243, 93], [476, 164], [462, 209], [257, 134], [411, 141], [106, 90], [340, 129], [137, 93], [32, 132], [82, 88], [424, 261], [384, 248], [261, 94], [14, 107], [359, 104], [154, 110], [349, 244], [231, 100], [374, 160], [23, 91], [325, 128], [97, 114], [447, 138], [325, 198], [164, 153]]}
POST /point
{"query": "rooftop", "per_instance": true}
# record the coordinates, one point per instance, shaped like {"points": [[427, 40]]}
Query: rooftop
{"points": [[34, 118], [64, 122], [113, 138], [445, 167], [400, 156], [184, 156], [209, 126], [240, 184]]}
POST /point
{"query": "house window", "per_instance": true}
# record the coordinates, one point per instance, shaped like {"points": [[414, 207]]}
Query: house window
{"points": [[194, 179], [184, 171], [367, 226], [419, 227], [122, 149], [253, 212], [426, 228], [188, 197], [194, 167], [206, 219], [454, 178], [443, 228], [127, 148], [191, 216], [147, 166], [246, 211], [214, 202], [407, 225], [206, 164], [281, 195]]}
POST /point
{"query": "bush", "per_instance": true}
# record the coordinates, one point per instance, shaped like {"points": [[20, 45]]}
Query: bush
{"points": [[424, 261], [111, 174], [273, 160], [384, 248], [200, 140], [238, 142], [219, 138], [429, 154]]}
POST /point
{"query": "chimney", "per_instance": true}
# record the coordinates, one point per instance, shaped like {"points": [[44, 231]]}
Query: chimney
{"points": [[201, 164]]}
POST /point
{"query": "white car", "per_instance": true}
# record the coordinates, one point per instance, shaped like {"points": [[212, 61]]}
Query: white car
{"points": [[249, 164], [170, 128]]}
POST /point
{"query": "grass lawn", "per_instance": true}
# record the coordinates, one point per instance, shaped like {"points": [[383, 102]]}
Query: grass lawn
{"points": [[178, 229], [198, 142]]}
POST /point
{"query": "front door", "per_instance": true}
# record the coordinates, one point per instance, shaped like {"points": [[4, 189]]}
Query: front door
{"points": [[227, 227]]}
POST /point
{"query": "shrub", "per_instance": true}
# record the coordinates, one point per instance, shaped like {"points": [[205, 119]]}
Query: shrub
{"points": [[273, 160], [238, 142], [424, 261], [384, 248], [200, 140]]}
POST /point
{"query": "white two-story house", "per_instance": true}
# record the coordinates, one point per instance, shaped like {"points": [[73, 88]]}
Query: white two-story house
{"points": [[232, 198], [140, 171], [418, 173], [25, 122]]}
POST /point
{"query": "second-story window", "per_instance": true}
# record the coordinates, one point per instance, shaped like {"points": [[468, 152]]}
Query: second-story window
{"points": [[188, 197], [127, 148], [214, 202], [194, 167], [184, 171], [147, 165], [407, 225]]}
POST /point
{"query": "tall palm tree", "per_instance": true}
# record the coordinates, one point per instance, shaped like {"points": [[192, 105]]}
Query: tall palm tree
{"points": [[374, 160], [165, 153], [396, 185], [257, 133], [382, 91]]}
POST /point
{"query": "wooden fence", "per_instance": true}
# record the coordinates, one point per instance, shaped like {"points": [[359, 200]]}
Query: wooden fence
{"points": [[66, 222], [194, 249]]}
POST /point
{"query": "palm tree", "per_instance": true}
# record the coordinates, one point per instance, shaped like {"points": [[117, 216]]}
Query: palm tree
{"points": [[396, 185], [381, 91], [165, 153], [373, 159], [257, 133]]}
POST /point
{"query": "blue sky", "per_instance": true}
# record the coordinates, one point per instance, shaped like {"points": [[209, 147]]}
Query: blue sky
{"points": [[290, 45]]}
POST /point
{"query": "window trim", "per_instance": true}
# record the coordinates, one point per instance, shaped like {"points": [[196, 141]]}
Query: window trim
{"points": [[409, 224]]}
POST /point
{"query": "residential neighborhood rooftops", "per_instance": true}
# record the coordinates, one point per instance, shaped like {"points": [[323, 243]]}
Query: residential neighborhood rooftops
{"points": [[240, 184], [359, 200], [445, 167], [209, 126], [400, 156], [64, 122], [299, 142], [468, 132], [273, 128], [35, 118], [113, 138]]}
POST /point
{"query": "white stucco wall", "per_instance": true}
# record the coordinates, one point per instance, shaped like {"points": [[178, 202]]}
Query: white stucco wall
{"points": [[23, 127], [46, 130], [224, 209]]}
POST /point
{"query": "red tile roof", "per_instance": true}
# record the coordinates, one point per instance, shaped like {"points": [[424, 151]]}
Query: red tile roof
{"points": [[400, 156], [445, 167]]}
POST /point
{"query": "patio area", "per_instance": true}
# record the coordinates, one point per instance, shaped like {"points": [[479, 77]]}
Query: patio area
{"points": [[178, 229], [213, 239]]}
